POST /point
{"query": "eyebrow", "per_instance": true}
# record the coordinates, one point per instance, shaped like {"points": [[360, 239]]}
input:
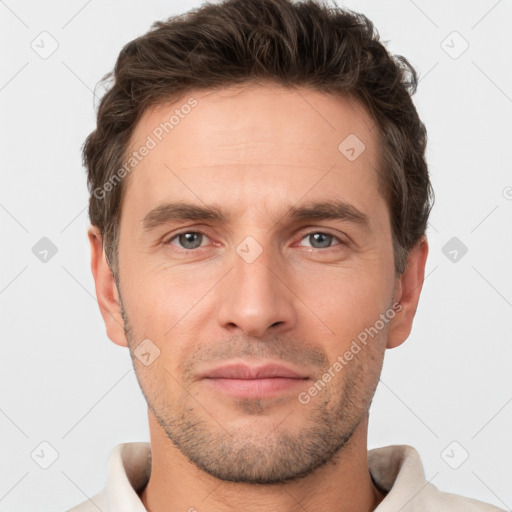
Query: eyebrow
{"points": [[334, 210], [325, 210], [182, 211]]}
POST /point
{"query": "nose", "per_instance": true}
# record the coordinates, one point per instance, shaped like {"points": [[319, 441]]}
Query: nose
{"points": [[257, 296]]}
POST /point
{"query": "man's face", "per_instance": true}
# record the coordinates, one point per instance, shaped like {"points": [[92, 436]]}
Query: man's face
{"points": [[261, 286]]}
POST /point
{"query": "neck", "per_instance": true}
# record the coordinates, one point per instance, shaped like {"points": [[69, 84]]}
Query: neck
{"points": [[344, 484]]}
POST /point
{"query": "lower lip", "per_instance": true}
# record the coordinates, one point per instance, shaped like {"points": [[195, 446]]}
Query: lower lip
{"points": [[256, 388]]}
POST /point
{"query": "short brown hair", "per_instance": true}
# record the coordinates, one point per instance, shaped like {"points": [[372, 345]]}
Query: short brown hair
{"points": [[306, 44]]}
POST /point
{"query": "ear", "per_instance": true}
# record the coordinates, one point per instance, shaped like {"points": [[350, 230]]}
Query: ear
{"points": [[106, 289], [407, 294]]}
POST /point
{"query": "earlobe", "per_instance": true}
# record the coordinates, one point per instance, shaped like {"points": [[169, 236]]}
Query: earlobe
{"points": [[407, 294], [106, 289]]}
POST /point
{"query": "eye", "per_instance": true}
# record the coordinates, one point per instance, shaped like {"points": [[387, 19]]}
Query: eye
{"points": [[321, 240], [188, 240]]}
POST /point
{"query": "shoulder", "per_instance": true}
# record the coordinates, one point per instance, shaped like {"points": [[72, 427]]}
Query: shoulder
{"points": [[128, 471], [445, 502], [398, 471]]}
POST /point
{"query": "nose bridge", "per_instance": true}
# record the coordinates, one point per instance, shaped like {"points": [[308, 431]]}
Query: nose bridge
{"points": [[254, 297]]}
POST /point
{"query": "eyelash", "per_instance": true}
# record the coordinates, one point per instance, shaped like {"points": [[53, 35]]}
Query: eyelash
{"points": [[315, 232]]}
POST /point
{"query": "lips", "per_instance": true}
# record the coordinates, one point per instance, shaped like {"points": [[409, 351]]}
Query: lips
{"points": [[242, 371], [245, 381]]}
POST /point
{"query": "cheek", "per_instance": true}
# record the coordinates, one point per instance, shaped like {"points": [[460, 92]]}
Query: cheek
{"points": [[169, 308], [345, 302], [157, 296]]}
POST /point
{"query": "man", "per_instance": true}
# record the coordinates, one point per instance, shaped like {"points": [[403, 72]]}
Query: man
{"points": [[259, 200]]}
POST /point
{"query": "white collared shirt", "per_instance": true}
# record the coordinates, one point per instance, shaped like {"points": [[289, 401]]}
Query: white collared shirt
{"points": [[396, 469]]}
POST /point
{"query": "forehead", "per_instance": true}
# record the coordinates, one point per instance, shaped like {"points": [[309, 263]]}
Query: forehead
{"points": [[254, 144]]}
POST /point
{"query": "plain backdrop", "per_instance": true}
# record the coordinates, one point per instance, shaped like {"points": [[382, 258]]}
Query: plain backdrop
{"points": [[447, 391]]}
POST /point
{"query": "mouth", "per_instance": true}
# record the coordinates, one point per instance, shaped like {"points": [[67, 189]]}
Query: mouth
{"points": [[262, 381]]}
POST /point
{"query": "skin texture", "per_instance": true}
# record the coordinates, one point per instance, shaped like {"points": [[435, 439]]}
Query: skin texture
{"points": [[255, 152]]}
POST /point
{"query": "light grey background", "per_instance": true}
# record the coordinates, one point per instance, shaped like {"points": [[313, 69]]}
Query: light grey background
{"points": [[64, 383]]}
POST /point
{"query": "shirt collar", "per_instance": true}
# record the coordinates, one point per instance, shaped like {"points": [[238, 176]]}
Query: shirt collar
{"points": [[398, 470], [129, 466]]}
